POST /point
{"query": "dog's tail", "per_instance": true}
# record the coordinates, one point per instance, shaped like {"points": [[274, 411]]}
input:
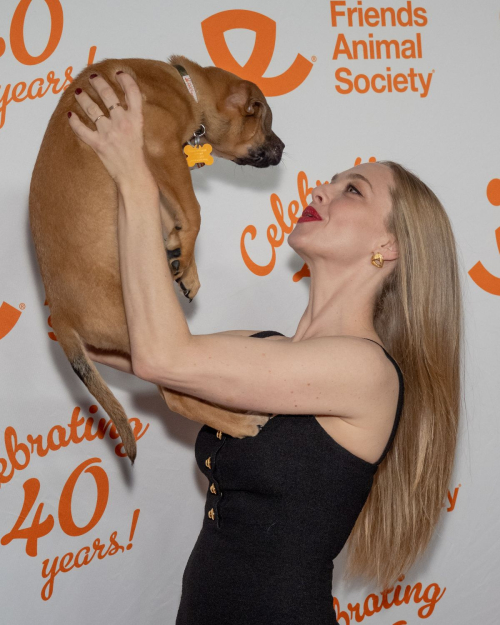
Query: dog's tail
{"points": [[85, 369]]}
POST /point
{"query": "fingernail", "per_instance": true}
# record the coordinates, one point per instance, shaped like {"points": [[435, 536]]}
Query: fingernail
{"points": [[69, 113], [119, 71], [92, 75], [78, 91]]}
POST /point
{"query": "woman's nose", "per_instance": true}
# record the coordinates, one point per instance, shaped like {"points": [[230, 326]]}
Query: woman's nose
{"points": [[318, 195]]}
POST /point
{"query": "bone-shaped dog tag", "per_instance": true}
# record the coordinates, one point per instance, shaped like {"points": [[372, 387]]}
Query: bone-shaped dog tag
{"points": [[198, 155]]}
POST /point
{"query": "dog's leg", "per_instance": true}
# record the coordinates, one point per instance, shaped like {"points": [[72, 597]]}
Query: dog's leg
{"points": [[174, 182], [230, 422], [170, 234]]}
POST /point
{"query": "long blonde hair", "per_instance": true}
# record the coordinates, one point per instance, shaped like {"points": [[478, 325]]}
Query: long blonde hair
{"points": [[419, 317]]}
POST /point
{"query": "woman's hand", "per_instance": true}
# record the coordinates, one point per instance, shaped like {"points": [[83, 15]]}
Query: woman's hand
{"points": [[118, 140]]}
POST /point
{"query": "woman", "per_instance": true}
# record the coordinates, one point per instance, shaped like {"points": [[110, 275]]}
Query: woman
{"points": [[340, 460]]}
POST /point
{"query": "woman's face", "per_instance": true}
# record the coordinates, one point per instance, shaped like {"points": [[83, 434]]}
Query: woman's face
{"points": [[352, 208]]}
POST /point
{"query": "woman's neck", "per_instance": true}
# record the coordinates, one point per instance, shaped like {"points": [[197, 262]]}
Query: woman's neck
{"points": [[340, 303]]}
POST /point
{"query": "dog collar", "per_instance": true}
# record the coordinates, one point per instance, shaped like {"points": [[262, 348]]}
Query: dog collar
{"points": [[187, 81], [197, 155]]}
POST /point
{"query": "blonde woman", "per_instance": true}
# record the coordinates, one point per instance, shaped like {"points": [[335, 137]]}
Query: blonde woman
{"points": [[366, 392]]}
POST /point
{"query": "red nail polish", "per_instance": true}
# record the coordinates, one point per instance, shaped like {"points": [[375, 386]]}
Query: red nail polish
{"points": [[119, 71], [69, 113], [92, 75], [78, 91]]}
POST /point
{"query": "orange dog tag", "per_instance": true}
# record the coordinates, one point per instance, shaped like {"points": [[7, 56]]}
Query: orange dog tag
{"points": [[199, 154]]}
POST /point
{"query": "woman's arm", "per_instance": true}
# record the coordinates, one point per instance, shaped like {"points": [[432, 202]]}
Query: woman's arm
{"points": [[234, 423], [151, 305], [123, 362]]}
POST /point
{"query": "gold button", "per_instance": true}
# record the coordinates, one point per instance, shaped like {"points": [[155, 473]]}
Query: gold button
{"points": [[208, 463], [219, 434], [213, 490], [211, 514]]}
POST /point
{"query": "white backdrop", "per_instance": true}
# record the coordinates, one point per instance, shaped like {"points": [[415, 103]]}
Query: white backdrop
{"points": [[448, 132]]}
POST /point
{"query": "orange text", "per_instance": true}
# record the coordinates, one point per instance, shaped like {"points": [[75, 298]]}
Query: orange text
{"points": [[276, 231], [18, 454], [373, 604]]}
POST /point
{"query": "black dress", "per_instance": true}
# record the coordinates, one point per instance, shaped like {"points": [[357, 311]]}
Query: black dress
{"points": [[280, 507]]}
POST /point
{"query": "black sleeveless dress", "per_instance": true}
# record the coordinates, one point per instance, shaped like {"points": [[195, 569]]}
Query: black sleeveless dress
{"points": [[280, 507]]}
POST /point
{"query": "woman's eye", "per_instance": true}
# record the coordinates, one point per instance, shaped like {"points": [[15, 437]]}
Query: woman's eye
{"points": [[351, 186]]}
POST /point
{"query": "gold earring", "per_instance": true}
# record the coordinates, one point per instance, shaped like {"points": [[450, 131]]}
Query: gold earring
{"points": [[378, 260]]}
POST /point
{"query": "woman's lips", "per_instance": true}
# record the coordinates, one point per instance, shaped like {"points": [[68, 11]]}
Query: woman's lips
{"points": [[309, 214]]}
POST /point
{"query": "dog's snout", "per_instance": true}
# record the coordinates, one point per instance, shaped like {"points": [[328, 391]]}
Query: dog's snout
{"points": [[273, 150], [267, 154], [276, 151], [278, 148]]}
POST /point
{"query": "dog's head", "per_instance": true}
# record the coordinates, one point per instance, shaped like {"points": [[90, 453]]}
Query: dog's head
{"points": [[239, 122]]}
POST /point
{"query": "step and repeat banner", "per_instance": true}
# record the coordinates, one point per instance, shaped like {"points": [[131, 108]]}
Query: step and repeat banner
{"points": [[86, 538]]}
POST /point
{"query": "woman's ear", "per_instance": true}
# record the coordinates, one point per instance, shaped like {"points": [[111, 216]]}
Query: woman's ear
{"points": [[390, 250]]}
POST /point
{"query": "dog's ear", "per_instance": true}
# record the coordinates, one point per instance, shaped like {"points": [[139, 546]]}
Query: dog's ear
{"points": [[245, 97]]}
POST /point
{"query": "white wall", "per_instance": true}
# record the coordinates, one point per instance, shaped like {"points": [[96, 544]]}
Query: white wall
{"points": [[450, 138]]}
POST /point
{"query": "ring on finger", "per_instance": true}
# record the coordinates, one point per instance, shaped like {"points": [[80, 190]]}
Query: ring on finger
{"points": [[95, 120], [110, 108]]}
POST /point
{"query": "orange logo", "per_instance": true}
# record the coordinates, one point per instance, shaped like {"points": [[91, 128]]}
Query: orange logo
{"points": [[481, 276], [215, 26], [9, 316]]}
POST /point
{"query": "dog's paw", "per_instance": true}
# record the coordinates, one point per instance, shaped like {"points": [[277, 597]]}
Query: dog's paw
{"points": [[174, 253], [177, 264], [188, 281], [249, 425], [173, 260]]}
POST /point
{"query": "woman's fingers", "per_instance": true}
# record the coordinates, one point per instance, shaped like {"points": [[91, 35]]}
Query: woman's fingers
{"points": [[119, 139], [92, 109], [105, 91], [91, 137], [133, 95]]}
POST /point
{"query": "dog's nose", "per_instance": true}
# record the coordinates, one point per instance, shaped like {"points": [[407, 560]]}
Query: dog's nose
{"points": [[277, 149]]}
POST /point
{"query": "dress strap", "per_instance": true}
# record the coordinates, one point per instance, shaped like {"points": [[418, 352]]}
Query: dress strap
{"points": [[265, 333], [399, 408], [386, 353]]}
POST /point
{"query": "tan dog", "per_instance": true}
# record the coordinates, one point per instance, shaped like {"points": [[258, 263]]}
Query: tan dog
{"points": [[74, 206]]}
